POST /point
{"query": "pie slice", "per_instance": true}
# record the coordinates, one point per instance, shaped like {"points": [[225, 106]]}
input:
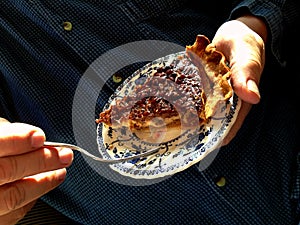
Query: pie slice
{"points": [[169, 97]]}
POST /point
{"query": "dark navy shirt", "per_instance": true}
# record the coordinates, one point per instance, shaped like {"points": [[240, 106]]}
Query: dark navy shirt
{"points": [[50, 52]]}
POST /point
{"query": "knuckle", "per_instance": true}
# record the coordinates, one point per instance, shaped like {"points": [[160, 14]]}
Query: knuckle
{"points": [[13, 197], [17, 142], [42, 164], [14, 138], [3, 173], [8, 169]]}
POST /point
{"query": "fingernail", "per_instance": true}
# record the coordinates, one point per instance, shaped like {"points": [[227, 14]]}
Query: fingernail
{"points": [[61, 174], [252, 86], [65, 156], [37, 139]]}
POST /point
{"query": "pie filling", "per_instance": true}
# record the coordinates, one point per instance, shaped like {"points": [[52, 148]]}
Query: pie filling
{"points": [[182, 94]]}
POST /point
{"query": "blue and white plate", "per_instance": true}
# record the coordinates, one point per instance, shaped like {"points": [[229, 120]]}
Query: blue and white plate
{"points": [[174, 155]]}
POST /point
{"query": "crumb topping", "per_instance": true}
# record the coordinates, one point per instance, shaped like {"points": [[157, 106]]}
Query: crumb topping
{"points": [[168, 91]]}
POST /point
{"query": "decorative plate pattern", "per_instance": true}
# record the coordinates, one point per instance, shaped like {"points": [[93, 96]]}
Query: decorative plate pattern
{"points": [[174, 155]]}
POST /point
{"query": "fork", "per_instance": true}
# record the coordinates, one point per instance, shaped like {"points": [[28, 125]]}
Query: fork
{"points": [[111, 161]]}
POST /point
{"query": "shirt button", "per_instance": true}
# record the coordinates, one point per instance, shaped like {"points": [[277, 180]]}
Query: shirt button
{"points": [[220, 181], [67, 26], [117, 78]]}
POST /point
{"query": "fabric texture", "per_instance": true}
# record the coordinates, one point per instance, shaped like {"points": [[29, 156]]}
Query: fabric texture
{"points": [[42, 63], [43, 214]]}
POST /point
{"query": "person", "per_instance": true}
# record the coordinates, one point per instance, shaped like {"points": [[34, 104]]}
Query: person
{"points": [[46, 50]]}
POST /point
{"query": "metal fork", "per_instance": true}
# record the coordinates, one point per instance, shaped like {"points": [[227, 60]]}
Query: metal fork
{"points": [[111, 161]]}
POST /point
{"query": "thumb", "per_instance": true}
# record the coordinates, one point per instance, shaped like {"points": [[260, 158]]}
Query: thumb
{"points": [[245, 85], [247, 61]]}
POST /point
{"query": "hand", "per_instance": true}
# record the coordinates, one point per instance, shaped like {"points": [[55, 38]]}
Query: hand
{"points": [[27, 171], [243, 43]]}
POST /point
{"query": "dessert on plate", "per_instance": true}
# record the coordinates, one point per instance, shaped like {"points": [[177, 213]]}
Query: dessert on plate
{"points": [[167, 98]]}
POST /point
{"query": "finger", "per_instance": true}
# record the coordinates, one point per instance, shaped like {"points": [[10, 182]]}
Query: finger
{"points": [[19, 138], [15, 216], [45, 159], [20, 193], [246, 67], [245, 85]]}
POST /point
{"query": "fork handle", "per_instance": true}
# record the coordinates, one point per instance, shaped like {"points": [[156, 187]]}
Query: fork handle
{"points": [[111, 161]]}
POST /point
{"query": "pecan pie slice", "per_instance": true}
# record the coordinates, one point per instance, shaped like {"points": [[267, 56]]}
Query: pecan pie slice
{"points": [[169, 97]]}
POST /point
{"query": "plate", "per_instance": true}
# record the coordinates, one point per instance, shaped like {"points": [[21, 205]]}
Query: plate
{"points": [[183, 150]]}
